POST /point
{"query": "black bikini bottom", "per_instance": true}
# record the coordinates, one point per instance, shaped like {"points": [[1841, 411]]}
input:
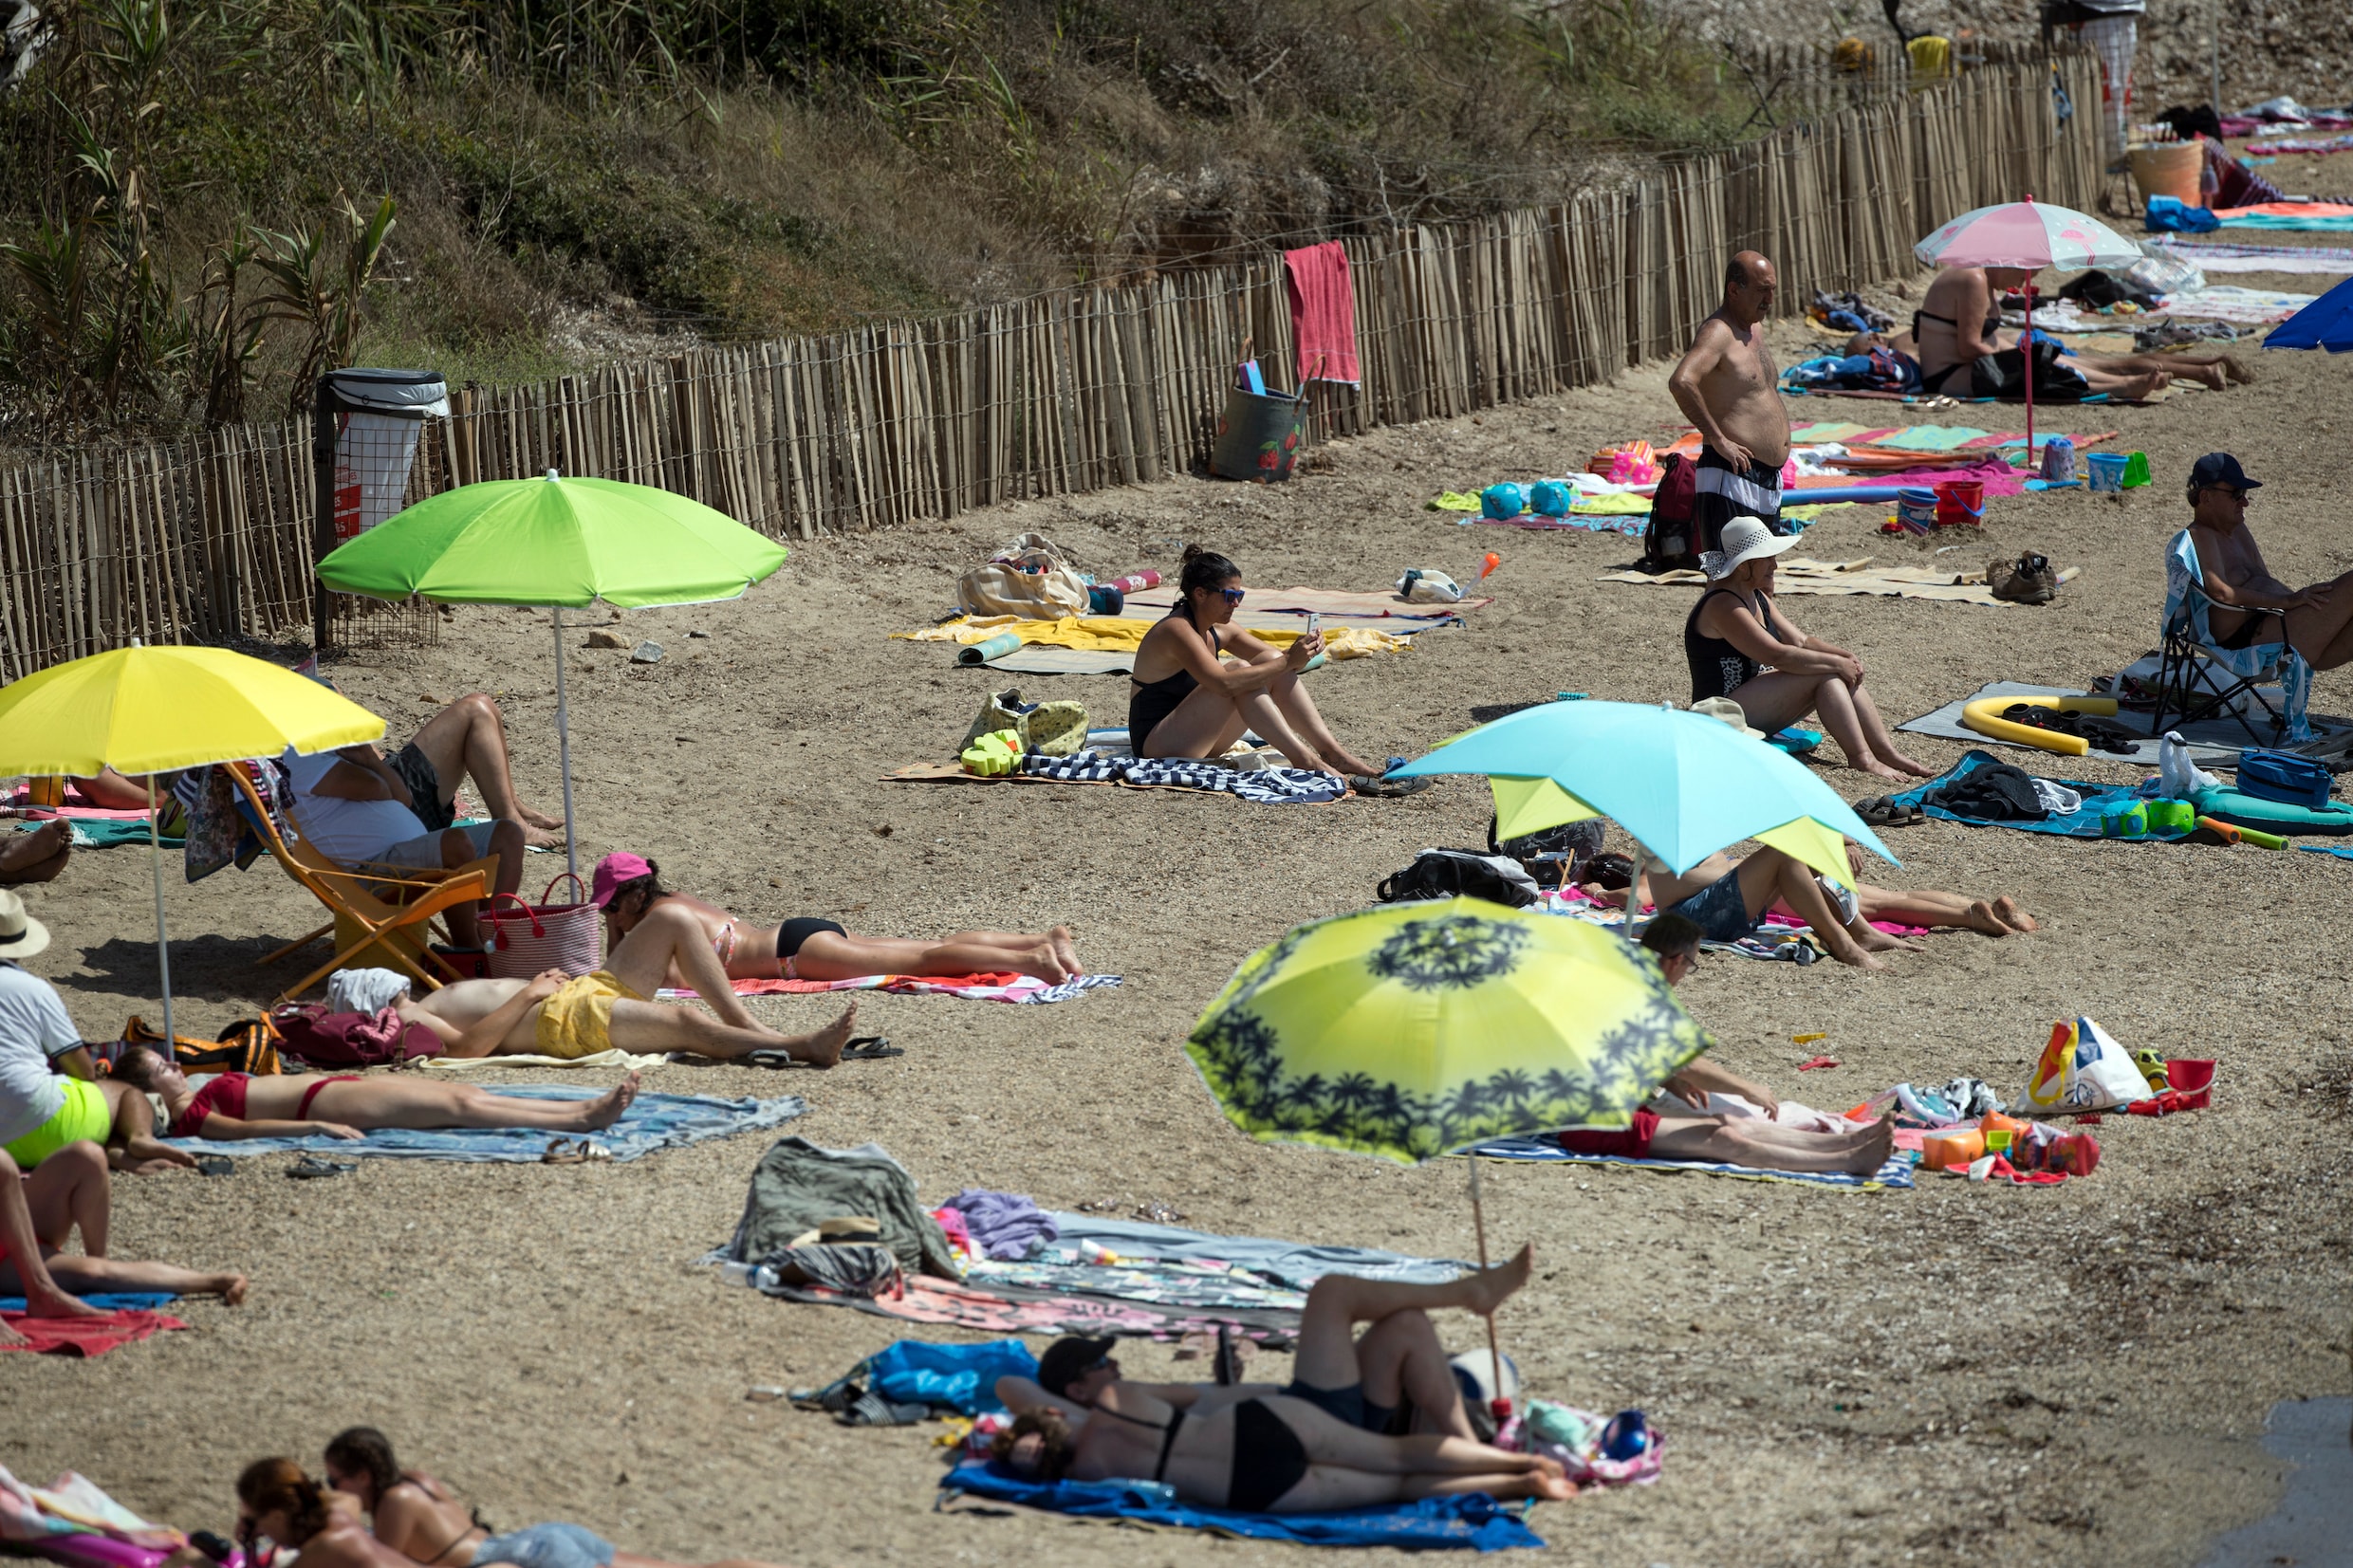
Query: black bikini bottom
{"points": [[793, 932], [1269, 1459]]}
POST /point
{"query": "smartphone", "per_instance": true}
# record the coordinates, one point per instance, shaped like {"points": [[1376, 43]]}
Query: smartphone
{"points": [[1315, 622]]}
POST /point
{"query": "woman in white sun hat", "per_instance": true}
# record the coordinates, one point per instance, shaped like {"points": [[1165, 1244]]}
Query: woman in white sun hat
{"points": [[1741, 646]]}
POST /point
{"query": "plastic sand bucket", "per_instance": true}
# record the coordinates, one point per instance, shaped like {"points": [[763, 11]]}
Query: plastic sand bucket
{"points": [[1960, 502], [2058, 460], [2190, 1074], [2106, 470], [1258, 437], [1915, 509], [2169, 169]]}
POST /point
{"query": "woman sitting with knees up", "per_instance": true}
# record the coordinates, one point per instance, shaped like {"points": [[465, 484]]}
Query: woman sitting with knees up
{"points": [[1741, 646], [416, 1519], [343, 1105], [1190, 700]]}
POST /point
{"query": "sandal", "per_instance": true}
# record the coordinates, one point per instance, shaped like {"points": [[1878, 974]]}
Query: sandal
{"points": [[215, 1165], [1388, 788], [574, 1152], [870, 1048], [1886, 811], [311, 1168]]}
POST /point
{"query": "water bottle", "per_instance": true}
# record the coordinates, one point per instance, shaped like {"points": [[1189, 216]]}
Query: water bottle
{"points": [[1628, 1436]]}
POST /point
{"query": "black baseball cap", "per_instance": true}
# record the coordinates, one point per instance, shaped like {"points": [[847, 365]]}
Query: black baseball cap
{"points": [[2220, 468], [1066, 1361]]}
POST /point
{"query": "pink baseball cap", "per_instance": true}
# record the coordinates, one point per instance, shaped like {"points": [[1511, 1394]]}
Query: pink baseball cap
{"points": [[619, 867]]}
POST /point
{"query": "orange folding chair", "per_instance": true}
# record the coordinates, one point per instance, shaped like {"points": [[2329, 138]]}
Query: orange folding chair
{"points": [[381, 917]]}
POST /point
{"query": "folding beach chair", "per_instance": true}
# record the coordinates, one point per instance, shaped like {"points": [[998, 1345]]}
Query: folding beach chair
{"points": [[382, 917], [2198, 680]]}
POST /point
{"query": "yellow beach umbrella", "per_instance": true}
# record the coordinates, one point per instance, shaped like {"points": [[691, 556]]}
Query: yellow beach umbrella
{"points": [[157, 710]]}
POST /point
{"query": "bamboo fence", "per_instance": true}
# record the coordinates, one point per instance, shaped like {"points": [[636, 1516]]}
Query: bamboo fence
{"points": [[209, 540]]}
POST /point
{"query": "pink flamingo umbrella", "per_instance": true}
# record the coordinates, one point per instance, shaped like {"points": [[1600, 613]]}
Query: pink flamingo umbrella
{"points": [[2031, 234]]}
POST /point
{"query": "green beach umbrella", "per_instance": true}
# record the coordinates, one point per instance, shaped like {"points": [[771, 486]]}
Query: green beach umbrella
{"points": [[565, 544]]}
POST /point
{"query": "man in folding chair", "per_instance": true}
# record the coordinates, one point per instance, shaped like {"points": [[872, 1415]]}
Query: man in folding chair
{"points": [[2224, 608], [353, 807]]}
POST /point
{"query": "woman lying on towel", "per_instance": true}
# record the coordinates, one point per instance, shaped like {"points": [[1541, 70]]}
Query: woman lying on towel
{"points": [[612, 1008], [277, 1500], [1736, 630], [296, 1105], [1273, 1452], [1186, 700], [628, 886]]}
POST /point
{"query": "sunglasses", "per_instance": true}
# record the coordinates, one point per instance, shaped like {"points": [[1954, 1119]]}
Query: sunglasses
{"points": [[1233, 596]]}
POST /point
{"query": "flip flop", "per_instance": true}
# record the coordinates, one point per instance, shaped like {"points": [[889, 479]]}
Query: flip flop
{"points": [[870, 1048], [573, 1152], [1388, 788], [311, 1168], [215, 1165]]}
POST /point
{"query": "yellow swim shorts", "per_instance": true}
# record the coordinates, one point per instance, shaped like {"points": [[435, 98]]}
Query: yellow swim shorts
{"points": [[578, 1020], [83, 1117]]}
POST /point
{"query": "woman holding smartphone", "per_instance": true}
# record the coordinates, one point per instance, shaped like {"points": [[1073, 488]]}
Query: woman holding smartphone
{"points": [[1201, 681]]}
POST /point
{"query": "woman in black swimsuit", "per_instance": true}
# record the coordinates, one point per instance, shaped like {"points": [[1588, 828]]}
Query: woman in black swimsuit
{"points": [[1186, 701], [1268, 1455], [1735, 632]]}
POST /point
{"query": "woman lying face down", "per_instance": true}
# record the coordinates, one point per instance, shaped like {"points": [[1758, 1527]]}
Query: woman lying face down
{"points": [[628, 888]]}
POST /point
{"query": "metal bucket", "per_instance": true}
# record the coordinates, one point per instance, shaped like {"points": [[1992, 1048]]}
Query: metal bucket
{"points": [[1258, 436]]}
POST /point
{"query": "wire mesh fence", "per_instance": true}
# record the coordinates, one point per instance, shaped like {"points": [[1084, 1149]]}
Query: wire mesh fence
{"points": [[210, 539]]}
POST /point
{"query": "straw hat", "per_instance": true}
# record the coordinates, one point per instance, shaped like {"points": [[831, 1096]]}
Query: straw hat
{"points": [[1744, 539], [20, 935], [1729, 710]]}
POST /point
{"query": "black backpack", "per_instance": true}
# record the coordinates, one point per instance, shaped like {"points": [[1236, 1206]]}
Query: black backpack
{"points": [[1460, 872]]}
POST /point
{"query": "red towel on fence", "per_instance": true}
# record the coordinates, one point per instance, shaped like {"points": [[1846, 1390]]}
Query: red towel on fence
{"points": [[1323, 312], [87, 1337]]}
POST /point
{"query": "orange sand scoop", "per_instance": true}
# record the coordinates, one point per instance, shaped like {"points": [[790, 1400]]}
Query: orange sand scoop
{"points": [[1493, 562]]}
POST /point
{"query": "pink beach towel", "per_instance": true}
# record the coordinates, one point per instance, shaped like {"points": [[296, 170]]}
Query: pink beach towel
{"points": [[1323, 312]]}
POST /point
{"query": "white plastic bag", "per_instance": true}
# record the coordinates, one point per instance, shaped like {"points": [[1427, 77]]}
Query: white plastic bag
{"points": [[2082, 1069]]}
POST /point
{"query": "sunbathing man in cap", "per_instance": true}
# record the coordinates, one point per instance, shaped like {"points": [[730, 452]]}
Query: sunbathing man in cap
{"points": [[1394, 1378], [2317, 621], [559, 1015], [1682, 1124]]}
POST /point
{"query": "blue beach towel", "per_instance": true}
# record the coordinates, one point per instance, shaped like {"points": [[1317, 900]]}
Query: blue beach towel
{"points": [[652, 1121], [120, 1300], [1897, 1172], [1475, 1521], [2082, 823]]}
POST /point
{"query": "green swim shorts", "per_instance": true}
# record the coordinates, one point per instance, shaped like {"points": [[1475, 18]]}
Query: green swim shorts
{"points": [[82, 1116]]}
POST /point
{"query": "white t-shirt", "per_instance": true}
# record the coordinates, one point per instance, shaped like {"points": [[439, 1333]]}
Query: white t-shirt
{"points": [[352, 832], [33, 1027]]}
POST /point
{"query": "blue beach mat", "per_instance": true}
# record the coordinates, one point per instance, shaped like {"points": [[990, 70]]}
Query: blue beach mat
{"points": [[652, 1122], [118, 1301], [1897, 1172], [2082, 823], [1475, 1521]]}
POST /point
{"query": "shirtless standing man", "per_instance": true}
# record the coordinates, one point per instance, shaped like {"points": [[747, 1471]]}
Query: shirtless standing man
{"points": [[1725, 387], [2318, 620]]}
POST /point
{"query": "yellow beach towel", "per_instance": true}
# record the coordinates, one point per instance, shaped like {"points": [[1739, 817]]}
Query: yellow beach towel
{"points": [[1119, 635]]}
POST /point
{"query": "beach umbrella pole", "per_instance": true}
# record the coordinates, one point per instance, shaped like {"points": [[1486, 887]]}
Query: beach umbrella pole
{"points": [[2029, 357], [1501, 1406], [163, 949], [564, 756]]}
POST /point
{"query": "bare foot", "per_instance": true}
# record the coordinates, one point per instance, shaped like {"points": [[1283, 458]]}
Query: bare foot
{"points": [[543, 838], [1873, 1152], [2012, 916], [1876, 940], [1905, 765], [824, 1048], [1065, 948], [228, 1287], [1488, 1288], [2210, 377], [606, 1108], [38, 855], [538, 818], [57, 1303], [10, 1337], [2237, 369], [1042, 963], [1853, 956], [1980, 917]]}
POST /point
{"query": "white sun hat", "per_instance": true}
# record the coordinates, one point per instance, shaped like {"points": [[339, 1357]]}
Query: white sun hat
{"points": [[1744, 539]]}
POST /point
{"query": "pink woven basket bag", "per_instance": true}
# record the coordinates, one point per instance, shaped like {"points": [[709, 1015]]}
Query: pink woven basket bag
{"points": [[528, 938]]}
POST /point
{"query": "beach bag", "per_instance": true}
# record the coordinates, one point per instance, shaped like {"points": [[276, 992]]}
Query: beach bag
{"points": [[248, 1045], [1669, 543], [528, 938], [2082, 1069], [1030, 578], [1462, 873], [323, 1039], [1049, 728], [2285, 776]]}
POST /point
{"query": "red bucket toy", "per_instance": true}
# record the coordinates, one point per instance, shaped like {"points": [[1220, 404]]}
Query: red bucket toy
{"points": [[1960, 502]]}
